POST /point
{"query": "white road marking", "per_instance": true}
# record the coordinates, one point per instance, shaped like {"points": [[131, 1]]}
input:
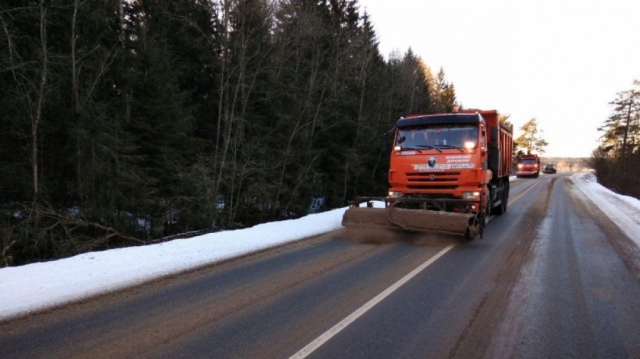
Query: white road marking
{"points": [[304, 352], [311, 347]]}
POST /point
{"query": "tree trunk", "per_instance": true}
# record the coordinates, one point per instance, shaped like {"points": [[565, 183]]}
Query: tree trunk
{"points": [[222, 89], [121, 13], [35, 119], [623, 159]]}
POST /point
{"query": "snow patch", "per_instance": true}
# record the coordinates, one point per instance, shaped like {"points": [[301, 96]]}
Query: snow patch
{"points": [[624, 211], [40, 285]]}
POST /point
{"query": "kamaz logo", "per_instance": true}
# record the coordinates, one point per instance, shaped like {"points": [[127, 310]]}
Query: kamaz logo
{"points": [[432, 162], [432, 177]]}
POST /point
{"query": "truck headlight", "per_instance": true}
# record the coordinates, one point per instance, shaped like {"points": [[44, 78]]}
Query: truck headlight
{"points": [[395, 194], [470, 195]]}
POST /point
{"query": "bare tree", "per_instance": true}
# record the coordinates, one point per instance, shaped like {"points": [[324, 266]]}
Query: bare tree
{"points": [[531, 138], [36, 115]]}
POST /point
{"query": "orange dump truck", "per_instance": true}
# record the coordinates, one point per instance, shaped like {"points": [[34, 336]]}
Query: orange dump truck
{"points": [[528, 166], [448, 173]]}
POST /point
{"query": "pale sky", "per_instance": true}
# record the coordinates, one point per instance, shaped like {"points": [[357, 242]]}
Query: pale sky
{"points": [[560, 61]]}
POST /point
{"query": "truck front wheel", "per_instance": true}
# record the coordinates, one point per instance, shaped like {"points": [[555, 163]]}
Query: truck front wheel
{"points": [[487, 210]]}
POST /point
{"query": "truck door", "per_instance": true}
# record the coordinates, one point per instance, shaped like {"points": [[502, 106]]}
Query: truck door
{"points": [[483, 147]]}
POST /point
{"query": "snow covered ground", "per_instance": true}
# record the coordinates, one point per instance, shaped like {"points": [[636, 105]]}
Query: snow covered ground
{"points": [[39, 285], [49, 283], [623, 210]]}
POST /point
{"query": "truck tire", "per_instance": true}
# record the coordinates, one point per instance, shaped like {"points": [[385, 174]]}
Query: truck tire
{"points": [[498, 211], [505, 194], [487, 211], [467, 236]]}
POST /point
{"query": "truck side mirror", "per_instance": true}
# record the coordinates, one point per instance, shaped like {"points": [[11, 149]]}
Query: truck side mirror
{"points": [[494, 161], [389, 133], [493, 136]]}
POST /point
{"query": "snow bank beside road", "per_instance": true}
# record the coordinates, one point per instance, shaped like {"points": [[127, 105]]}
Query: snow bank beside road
{"points": [[623, 210], [39, 285]]}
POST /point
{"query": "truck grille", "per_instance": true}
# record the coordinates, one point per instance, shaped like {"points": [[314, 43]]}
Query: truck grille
{"points": [[441, 180], [431, 187]]}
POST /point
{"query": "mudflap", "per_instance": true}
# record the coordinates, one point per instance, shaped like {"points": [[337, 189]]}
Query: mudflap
{"points": [[420, 220]]}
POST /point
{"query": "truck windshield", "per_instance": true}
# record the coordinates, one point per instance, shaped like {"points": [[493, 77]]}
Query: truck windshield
{"points": [[528, 161], [436, 137]]}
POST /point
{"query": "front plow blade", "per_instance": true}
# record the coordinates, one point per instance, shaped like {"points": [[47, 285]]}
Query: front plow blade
{"points": [[465, 224]]}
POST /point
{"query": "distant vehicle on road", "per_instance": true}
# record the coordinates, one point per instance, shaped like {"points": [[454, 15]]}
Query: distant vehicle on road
{"points": [[550, 168], [528, 166]]}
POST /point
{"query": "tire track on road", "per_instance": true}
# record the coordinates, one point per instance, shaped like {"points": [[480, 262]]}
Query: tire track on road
{"points": [[154, 326], [485, 319], [624, 246]]}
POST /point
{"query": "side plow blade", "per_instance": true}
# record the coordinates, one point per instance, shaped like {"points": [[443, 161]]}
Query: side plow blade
{"points": [[465, 224]]}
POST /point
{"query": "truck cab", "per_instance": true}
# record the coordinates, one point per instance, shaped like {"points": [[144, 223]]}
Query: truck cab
{"points": [[437, 156], [528, 166], [451, 155]]}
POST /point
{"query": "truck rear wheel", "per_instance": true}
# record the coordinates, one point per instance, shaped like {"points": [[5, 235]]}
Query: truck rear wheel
{"points": [[505, 194]]}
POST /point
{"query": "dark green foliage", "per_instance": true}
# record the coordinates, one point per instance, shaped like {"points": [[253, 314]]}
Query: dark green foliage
{"points": [[127, 121], [617, 159]]}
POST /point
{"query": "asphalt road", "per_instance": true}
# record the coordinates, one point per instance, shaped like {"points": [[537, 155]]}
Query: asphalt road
{"points": [[552, 278]]}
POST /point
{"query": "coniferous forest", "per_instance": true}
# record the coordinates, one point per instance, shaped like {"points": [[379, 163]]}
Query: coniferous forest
{"points": [[616, 161], [124, 122]]}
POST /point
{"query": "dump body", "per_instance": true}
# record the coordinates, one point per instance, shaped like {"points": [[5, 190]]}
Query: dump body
{"points": [[454, 163], [528, 166]]}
